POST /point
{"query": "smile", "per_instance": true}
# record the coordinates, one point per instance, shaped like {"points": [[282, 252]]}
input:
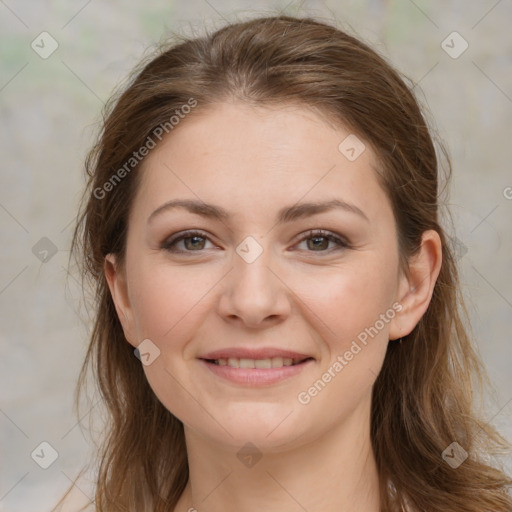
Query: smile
{"points": [[274, 362], [256, 372]]}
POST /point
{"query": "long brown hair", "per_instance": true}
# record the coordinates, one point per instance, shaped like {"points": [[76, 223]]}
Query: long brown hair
{"points": [[423, 399]]}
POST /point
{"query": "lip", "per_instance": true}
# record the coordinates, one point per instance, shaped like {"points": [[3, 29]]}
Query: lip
{"points": [[255, 377], [262, 353]]}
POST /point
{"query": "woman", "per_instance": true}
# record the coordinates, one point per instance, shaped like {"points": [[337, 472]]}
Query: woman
{"points": [[278, 320]]}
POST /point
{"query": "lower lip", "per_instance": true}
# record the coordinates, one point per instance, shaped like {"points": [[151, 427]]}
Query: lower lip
{"points": [[256, 376]]}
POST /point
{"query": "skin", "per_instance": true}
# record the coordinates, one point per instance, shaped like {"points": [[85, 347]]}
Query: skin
{"points": [[253, 161]]}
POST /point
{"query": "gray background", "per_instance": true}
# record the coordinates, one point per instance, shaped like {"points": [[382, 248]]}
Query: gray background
{"points": [[49, 108]]}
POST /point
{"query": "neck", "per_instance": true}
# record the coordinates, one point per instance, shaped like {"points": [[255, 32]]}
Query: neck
{"points": [[334, 472]]}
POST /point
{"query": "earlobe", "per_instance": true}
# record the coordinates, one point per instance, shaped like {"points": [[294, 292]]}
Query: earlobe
{"points": [[119, 291], [416, 288]]}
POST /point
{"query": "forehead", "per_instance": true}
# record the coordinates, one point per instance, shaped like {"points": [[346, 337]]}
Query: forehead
{"points": [[241, 154]]}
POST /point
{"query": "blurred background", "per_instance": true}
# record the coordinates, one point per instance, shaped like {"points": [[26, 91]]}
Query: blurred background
{"points": [[60, 61]]}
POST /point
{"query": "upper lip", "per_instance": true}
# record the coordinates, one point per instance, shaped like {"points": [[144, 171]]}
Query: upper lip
{"points": [[262, 353]]}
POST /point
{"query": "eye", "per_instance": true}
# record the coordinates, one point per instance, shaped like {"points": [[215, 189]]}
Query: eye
{"points": [[319, 240], [194, 241]]}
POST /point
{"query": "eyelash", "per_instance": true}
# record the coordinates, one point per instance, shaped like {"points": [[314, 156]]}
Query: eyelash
{"points": [[314, 233]]}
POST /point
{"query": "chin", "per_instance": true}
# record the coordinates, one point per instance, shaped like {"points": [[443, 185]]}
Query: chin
{"points": [[270, 427]]}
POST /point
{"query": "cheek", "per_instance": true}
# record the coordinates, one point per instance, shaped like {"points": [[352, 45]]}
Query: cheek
{"points": [[168, 303], [166, 297], [347, 300], [352, 311]]}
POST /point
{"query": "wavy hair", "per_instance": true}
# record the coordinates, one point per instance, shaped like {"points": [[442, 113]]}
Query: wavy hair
{"points": [[423, 399]]}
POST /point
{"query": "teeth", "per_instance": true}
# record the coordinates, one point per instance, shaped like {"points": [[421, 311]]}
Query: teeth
{"points": [[263, 363], [246, 363], [277, 362], [274, 362]]}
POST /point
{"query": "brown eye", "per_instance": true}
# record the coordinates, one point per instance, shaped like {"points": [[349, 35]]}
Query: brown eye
{"points": [[193, 241], [318, 241]]}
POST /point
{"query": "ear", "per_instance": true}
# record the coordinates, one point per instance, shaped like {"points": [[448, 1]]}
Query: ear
{"points": [[116, 280], [417, 285]]}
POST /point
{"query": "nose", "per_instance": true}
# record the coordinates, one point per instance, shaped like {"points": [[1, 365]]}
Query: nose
{"points": [[254, 294]]}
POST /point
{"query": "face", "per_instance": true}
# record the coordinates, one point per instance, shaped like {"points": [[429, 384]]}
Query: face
{"points": [[251, 270]]}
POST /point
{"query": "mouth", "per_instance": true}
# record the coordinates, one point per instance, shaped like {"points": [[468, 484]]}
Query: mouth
{"points": [[248, 372], [267, 363]]}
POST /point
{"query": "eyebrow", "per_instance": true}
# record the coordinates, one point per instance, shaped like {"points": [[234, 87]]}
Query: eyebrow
{"points": [[286, 214]]}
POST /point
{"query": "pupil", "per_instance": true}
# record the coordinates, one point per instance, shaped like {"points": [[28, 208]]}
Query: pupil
{"points": [[189, 245], [319, 245]]}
